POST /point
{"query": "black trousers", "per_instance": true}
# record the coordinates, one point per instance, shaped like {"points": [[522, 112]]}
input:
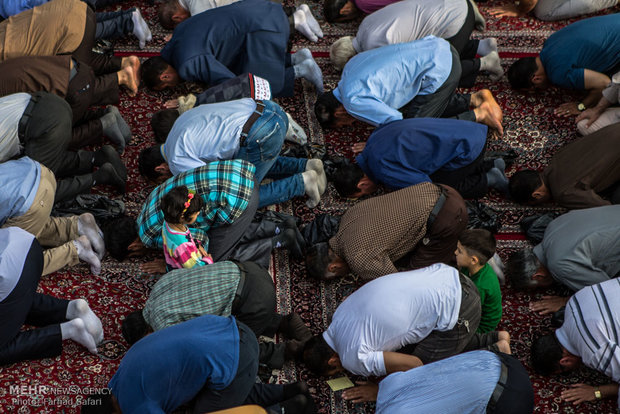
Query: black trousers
{"points": [[24, 305], [518, 395], [46, 135], [100, 63], [467, 49], [470, 181]]}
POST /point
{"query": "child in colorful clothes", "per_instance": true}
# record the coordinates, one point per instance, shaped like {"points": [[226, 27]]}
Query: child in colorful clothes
{"points": [[473, 250], [180, 208]]}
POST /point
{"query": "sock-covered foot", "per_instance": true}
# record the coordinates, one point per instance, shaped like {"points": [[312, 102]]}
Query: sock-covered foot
{"points": [[480, 24], [87, 254], [314, 25], [288, 239], [87, 226], [106, 174], [309, 70], [293, 327], [301, 55], [311, 187], [120, 121], [497, 180], [295, 133], [499, 164], [145, 27], [302, 26], [486, 46], [107, 154], [76, 331], [138, 28], [317, 165], [112, 131], [79, 308], [492, 64]]}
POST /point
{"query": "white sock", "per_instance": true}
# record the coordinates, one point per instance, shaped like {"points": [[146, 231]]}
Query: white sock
{"points": [[87, 226], [145, 27], [79, 308], [76, 331], [301, 55], [311, 188], [317, 165], [480, 23], [492, 64], [309, 70], [295, 133], [86, 254], [314, 25], [302, 26], [138, 28], [486, 46]]}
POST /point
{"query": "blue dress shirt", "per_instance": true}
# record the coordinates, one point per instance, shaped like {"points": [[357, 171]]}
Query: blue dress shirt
{"points": [[405, 153], [14, 246], [10, 8], [376, 83], [20, 182]]}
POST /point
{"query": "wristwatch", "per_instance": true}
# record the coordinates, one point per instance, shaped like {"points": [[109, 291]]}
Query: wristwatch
{"points": [[581, 107], [597, 394]]}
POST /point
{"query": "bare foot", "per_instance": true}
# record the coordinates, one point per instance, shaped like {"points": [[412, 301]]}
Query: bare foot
{"points": [[127, 77], [134, 62], [504, 346], [478, 97], [490, 114]]}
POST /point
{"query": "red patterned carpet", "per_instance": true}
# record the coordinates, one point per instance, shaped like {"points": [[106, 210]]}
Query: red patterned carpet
{"points": [[530, 129]]}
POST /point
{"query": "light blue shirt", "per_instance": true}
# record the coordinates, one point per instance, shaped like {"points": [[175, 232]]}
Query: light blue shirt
{"points": [[376, 83], [12, 109], [462, 384], [10, 8], [20, 181], [206, 133], [14, 246]]}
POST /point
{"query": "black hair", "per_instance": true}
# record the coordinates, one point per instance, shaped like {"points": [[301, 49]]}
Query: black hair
{"points": [[118, 234], [134, 327], [316, 355], [521, 72], [162, 122], [165, 13], [148, 160], [325, 109], [546, 353], [521, 266], [318, 257], [522, 184], [480, 243], [151, 69], [173, 204], [346, 177], [331, 9], [99, 403]]}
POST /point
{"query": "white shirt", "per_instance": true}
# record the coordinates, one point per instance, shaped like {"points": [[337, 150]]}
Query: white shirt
{"points": [[198, 6], [206, 133], [409, 20], [393, 311], [14, 246], [12, 108]]}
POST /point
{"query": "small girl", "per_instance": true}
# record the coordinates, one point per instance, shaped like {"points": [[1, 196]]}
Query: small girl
{"points": [[181, 207]]}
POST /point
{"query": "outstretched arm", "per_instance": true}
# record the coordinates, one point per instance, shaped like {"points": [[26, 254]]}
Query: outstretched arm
{"points": [[578, 393]]}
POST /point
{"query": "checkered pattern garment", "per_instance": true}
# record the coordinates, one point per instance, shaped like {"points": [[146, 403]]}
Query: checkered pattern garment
{"points": [[225, 187], [184, 294], [380, 230]]}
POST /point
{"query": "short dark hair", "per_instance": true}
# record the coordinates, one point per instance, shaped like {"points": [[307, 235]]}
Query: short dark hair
{"points": [[173, 204], [134, 327], [521, 267], [118, 234], [346, 177], [546, 353], [165, 13], [148, 160], [318, 257], [151, 69], [521, 72], [316, 355], [522, 184], [480, 243], [331, 9], [162, 122], [99, 403], [325, 109]]}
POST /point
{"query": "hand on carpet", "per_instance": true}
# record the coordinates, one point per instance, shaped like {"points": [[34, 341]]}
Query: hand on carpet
{"points": [[365, 391], [157, 266], [137, 249], [578, 393], [548, 304], [359, 147], [507, 10], [591, 115], [567, 109], [171, 104]]}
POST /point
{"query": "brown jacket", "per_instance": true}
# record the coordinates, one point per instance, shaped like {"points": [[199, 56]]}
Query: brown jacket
{"points": [[34, 74], [53, 28], [584, 168], [376, 232]]}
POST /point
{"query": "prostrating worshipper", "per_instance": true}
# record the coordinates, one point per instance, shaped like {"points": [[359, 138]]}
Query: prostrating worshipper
{"points": [[582, 174], [551, 9], [336, 11], [417, 79], [249, 36], [241, 289], [408, 20], [580, 248], [416, 227], [26, 201], [21, 265], [432, 313], [209, 362], [416, 150], [581, 56], [588, 336], [606, 111], [38, 125], [245, 129], [473, 382]]}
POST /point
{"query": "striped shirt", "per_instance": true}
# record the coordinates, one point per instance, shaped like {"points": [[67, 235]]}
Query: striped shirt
{"points": [[184, 294], [376, 232], [591, 328], [225, 187]]}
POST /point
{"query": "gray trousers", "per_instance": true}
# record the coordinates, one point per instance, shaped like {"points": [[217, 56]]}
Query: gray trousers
{"points": [[564, 9]]}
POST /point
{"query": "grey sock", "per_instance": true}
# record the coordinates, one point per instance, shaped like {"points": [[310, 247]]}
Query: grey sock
{"points": [[112, 131], [496, 179], [309, 70], [120, 121]]}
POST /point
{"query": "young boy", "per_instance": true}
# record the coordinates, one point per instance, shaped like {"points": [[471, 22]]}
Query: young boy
{"points": [[473, 250]]}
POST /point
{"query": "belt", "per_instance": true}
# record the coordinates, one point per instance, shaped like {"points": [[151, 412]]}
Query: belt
{"points": [[23, 121], [499, 388], [438, 206], [260, 107], [242, 273]]}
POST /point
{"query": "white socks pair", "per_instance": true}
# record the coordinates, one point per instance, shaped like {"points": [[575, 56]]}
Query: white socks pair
{"points": [[140, 29], [306, 24], [84, 326]]}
